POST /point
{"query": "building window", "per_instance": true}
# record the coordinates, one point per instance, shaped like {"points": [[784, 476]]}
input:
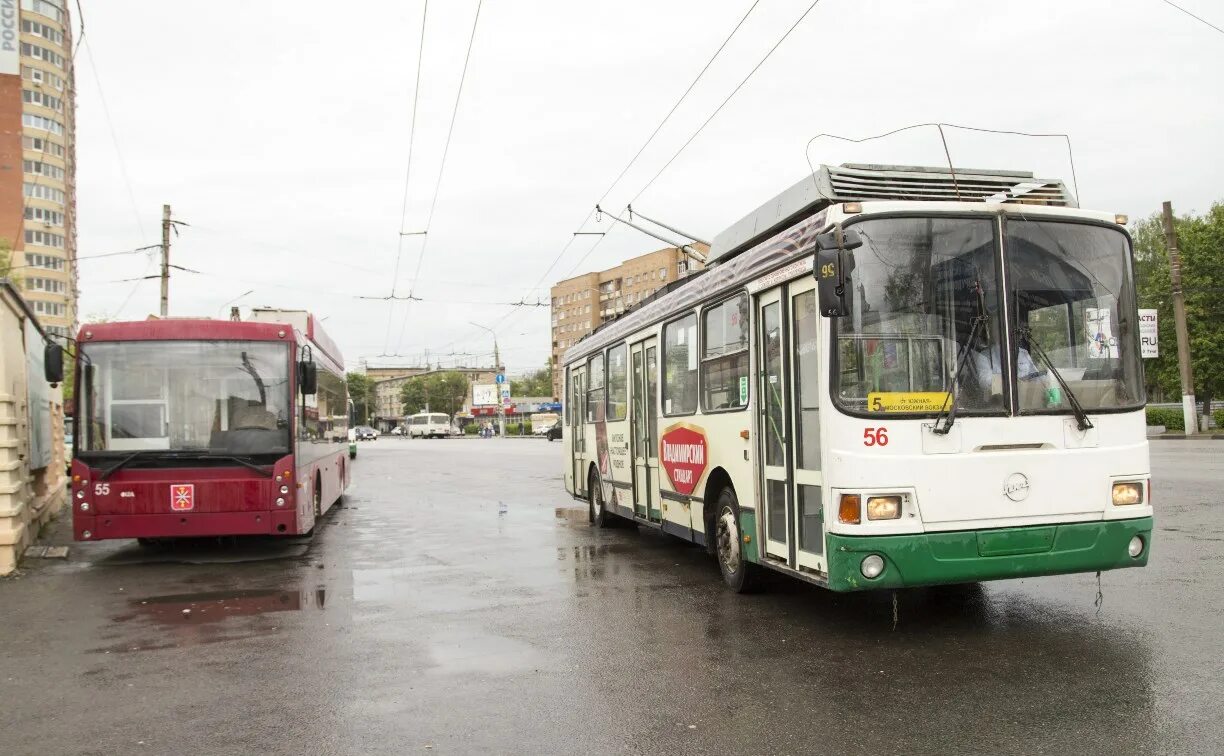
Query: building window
{"points": [[46, 284], [39, 76], [38, 144], [46, 238], [39, 52], [35, 260], [680, 366], [41, 191], [42, 30], [38, 122], [50, 217], [55, 309], [45, 100], [43, 169], [595, 388], [662, 273], [47, 8], [618, 383], [724, 357]]}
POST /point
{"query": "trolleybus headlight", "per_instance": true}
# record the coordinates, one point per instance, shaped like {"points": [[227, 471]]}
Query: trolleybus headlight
{"points": [[81, 494], [284, 489], [1135, 547], [1127, 493], [872, 566], [280, 501], [84, 506], [850, 509], [883, 507]]}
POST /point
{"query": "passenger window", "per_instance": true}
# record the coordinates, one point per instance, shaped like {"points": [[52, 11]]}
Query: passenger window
{"points": [[595, 389], [618, 383], [680, 366], [724, 358]]}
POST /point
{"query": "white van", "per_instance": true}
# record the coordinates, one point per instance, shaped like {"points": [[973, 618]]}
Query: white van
{"points": [[429, 425]]}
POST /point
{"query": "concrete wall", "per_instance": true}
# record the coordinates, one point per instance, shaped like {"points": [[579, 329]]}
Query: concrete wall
{"points": [[29, 497]]}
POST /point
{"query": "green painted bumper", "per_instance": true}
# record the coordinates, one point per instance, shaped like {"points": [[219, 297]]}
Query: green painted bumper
{"points": [[973, 555]]}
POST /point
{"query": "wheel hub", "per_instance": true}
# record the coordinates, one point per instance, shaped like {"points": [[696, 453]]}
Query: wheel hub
{"points": [[728, 542]]}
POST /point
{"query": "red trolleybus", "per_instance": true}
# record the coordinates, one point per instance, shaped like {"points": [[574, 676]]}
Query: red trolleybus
{"points": [[190, 428]]}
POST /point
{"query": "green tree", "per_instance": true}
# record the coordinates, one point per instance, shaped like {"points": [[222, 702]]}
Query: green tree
{"points": [[361, 391], [438, 392], [6, 262], [535, 383], [1201, 242]]}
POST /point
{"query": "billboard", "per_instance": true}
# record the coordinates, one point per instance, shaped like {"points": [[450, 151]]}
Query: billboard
{"points": [[10, 60], [484, 395], [1149, 340]]}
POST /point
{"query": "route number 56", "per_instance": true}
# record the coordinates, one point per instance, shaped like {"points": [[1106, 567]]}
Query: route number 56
{"points": [[875, 437]]}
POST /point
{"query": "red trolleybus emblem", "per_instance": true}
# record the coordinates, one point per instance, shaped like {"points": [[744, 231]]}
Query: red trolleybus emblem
{"points": [[683, 455], [182, 497]]}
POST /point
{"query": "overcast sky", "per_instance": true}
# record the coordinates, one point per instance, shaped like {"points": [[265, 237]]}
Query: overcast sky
{"points": [[280, 132]]}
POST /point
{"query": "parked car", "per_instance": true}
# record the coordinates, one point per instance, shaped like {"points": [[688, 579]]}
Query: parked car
{"points": [[366, 433], [397, 430], [554, 431]]}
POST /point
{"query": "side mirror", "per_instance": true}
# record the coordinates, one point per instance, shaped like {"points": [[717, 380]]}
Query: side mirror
{"points": [[833, 263], [308, 378], [53, 363]]}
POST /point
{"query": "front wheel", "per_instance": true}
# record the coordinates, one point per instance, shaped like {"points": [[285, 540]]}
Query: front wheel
{"points": [[740, 576], [597, 513]]}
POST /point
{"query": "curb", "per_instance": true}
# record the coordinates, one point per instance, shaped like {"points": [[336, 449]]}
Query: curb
{"points": [[1184, 437]]}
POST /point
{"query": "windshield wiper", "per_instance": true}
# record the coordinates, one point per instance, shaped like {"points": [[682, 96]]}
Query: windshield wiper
{"points": [[980, 328], [182, 454], [107, 472], [1081, 417]]}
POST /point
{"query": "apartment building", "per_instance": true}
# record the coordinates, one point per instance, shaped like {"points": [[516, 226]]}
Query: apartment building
{"points": [[37, 134], [582, 303]]}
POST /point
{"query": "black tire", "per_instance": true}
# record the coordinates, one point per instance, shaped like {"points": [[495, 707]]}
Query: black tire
{"points": [[740, 576], [597, 513], [318, 497]]}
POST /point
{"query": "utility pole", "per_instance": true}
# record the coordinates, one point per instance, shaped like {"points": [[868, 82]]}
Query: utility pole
{"points": [[501, 405], [165, 252], [1189, 406]]}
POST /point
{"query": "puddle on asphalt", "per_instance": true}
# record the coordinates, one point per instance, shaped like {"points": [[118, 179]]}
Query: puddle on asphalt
{"points": [[197, 618], [482, 654], [587, 552], [572, 516]]}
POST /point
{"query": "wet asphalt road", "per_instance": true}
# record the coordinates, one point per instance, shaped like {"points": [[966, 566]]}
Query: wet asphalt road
{"points": [[422, 619]]}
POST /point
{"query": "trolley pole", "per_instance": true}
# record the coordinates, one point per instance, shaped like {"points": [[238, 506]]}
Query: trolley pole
{"points": [[1189, 406], [165, 262]]}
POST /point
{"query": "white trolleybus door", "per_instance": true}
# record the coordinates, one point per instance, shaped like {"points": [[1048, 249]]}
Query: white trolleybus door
{"points": [[577, 434], [788, 326], [644, 430]]}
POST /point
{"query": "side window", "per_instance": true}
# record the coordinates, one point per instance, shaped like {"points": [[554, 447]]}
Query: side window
{"points": [[724, 355], [680, 366], [595, 389], [618, 383]]}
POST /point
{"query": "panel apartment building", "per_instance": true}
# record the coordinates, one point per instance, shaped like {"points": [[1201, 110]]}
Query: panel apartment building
{"points": [[38, 158], [582, 303]]}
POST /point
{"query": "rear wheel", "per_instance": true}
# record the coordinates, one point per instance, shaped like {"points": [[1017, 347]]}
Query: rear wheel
{"points": [[739, 575]]}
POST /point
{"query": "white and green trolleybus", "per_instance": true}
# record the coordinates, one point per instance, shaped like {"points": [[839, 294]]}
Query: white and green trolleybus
{"points": [[886, 376]]}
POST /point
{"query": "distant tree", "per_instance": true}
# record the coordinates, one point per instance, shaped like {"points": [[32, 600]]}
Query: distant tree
{"points": [[6, 261], [437, 392], [361, 391], [1201, 242], [535, 383]]}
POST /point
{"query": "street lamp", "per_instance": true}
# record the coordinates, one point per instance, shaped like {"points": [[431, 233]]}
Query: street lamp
{"points": [[497, 367]]}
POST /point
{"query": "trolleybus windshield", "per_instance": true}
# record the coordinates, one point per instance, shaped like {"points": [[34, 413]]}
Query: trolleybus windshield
{"points": [[217, 397], [918, 284]]}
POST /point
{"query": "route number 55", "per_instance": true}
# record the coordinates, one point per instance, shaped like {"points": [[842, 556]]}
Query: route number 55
{"points": [[875, 437]]}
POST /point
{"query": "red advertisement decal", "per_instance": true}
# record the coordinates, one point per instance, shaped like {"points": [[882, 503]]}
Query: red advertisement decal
{"points": [[182, 497], [683, 455]]}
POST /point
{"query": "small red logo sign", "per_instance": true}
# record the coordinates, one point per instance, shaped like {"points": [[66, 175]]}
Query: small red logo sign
{"points": [[182, 497], [683, 455]]}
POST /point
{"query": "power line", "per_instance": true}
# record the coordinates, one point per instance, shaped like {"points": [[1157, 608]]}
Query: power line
{"points": [[648, 142], [467, 57], [93, 66], [718, 110], [399, 241], [1200, 19]]}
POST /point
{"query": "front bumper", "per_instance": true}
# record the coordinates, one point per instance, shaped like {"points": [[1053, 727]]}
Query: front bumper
{"points": [[975, 555]]}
